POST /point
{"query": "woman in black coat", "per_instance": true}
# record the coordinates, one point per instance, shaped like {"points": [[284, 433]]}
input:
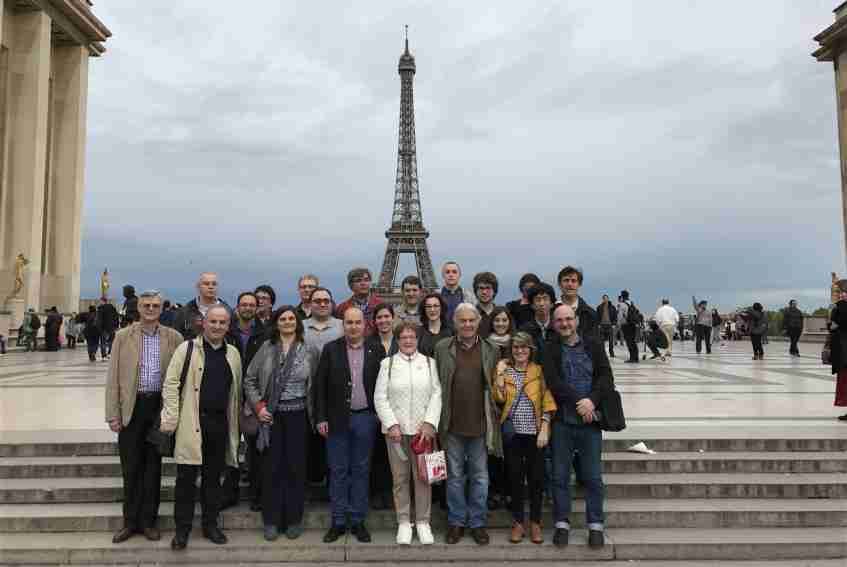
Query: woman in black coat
{"points": [[838, 342]]}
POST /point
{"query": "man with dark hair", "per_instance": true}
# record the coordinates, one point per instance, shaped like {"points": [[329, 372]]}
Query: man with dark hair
{"points": [[521, 309], [189, 319], [608, 317], [409, 309], [266, 298], [107, 322], [541, 296], [130, 310], [570, 280], [452, 292], [702, 324], [485, 287], [305, 286], [792, 326], [359, 280], [628, 326]]}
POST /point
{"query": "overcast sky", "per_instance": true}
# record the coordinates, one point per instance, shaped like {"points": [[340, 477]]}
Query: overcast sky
{"points": [[673, 148]]}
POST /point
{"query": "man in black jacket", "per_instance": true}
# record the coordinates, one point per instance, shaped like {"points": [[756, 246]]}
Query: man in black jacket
{"points": [[130, 314], [189, 319], [345, 416], [579, 376], [792, 325], [570, 280], [607, 317], [541, 296], [107, 322]]}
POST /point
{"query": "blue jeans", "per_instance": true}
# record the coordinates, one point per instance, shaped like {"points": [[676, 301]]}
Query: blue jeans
{"points": [[470, 452], [349, 456], [106, 344], [588, 440]]}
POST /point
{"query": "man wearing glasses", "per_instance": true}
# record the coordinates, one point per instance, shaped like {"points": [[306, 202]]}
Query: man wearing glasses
{"points": [[265, 298], [305, 286], [359, 280], [140, 355]]}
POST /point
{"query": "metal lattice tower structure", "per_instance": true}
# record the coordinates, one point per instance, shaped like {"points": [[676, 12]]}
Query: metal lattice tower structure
{"points": [[407, 234]]}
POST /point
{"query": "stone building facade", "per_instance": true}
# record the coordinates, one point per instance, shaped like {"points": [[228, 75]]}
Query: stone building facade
{"points": [[45, 46]]}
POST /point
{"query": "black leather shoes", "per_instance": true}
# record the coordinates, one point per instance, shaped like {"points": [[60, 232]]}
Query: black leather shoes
{"points": [[560, 537], [215, 535], [179, 541], [333, 533], [454, 534], [152, 534], [122, 535], [361, 532], [480, 536], [596, 539]]}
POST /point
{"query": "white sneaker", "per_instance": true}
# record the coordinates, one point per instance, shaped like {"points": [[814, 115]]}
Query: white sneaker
{"points": [[404, 534], [425, 534]]}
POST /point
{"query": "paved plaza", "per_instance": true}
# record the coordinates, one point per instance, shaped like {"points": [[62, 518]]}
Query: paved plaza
{"points": [[727, 389]]}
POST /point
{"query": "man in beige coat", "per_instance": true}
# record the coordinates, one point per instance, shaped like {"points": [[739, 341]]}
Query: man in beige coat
{"points": [[140, 355], [204, 414]]}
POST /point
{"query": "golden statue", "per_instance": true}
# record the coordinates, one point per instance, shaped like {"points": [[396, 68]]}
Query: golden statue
{"points": [[105, 284], [20, 262]]}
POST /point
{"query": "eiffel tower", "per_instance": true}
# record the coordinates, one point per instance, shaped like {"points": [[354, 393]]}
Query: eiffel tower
{"points": [[407, 234]]}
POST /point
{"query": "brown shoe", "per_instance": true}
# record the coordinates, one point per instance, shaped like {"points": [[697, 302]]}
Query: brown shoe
{"points": [[536, 535], [152, 534], [517, 532], [480, 536], [454, 534], [122, 535]]}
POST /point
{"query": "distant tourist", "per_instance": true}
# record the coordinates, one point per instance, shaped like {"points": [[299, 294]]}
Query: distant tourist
{"points": [[52, 326], [205, 418], [129, 313], [359, 280], [189, 319], [407, 398], [717, 321], [305, 286], [468, 423], [485, 287], [655, 339], [792, 326], [758, 329], [409, 308], [266, 298], [452, 292], [607, 316], [435, 324], [540, 328], [91, 331], [521, 308], [629, 322], [29, 330], [838, 343], [702, 325], [72, 330], [578, 393], [345, 416], [168, 314], [667, 318], [570, 280], [277, 387], [142, 353]]}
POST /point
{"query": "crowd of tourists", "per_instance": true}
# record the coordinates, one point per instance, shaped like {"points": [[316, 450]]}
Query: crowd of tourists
{"points": [[345, 395]]}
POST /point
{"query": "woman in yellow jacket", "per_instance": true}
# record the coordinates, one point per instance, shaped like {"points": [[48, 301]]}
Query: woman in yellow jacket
{"points": [[527, 407]]}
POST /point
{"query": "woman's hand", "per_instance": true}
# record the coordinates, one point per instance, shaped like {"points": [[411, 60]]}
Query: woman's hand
{"points": [[427, 431], [500, 374], [265, 416], [543, 436], [394, 434]]}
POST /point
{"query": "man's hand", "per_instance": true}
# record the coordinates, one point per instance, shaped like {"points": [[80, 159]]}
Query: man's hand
{"points": [[265, 416], [585, 407], [115, 424], [427, 430], [543, 436], [323, 428], [394, 433]]}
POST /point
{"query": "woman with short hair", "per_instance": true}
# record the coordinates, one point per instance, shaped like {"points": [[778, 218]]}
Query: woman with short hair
{"points": [[407, 398], [278, 385], [527, 407]]}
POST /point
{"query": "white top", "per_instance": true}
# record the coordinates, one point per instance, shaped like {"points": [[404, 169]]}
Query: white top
{"points": [[666, 315], [411, 394]]}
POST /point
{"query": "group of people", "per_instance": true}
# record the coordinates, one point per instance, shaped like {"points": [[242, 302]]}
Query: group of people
{"points": [[364, 385]]}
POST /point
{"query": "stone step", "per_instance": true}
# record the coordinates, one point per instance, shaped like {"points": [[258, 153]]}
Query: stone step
{"points": [[719, 485], [615, 462], [249, 547], [623, 513]]}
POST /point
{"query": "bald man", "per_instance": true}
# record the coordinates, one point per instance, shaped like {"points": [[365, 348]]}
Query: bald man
{"points": [[189, 319], [345, 416]]}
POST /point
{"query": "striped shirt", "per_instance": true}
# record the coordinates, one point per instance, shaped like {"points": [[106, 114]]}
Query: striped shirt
{"points": [[149, 367], [522, 412]]}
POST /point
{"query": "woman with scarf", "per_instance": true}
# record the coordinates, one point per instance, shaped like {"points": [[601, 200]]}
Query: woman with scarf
{"points": [[278, 384]]}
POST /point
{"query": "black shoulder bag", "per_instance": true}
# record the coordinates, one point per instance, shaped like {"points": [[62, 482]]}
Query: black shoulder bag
{"points": [[611, 412], [163, 441]]}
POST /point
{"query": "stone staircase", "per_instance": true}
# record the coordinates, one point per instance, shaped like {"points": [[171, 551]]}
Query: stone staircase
{"points": [[696, 499]]}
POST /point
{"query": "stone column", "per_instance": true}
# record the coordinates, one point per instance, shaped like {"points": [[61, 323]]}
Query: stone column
{"points": [[64, 207], [29, 81]]}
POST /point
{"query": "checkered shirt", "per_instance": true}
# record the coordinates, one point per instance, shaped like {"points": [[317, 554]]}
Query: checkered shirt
{"points": [[522, 411], [149, 367]]}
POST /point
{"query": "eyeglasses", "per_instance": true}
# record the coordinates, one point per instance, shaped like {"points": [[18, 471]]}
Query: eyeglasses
{"points": [[521, 347], [151, 305], [320, 301]]}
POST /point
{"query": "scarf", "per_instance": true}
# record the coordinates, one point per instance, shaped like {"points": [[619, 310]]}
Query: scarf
{"points": [[282, 372]]}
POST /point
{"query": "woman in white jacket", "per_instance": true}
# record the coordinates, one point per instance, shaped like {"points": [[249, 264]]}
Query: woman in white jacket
{"points": [[408, 402]]}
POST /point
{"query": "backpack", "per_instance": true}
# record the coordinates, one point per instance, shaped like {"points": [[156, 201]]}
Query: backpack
{"points": [[633, 315], [35, 323]]}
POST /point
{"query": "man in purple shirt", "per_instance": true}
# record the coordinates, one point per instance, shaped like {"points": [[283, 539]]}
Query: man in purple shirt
{"points": [[345, 416]]}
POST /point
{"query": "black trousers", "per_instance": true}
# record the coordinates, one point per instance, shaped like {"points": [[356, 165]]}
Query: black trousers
{"points": [[757, 344], [606, 334], [629, 337], [794, 336], [498, 482], [318, 469], [255, 468], [704, 333], [141, 464], [284, 479], [381, 480], [215, 435], [525, 464]]}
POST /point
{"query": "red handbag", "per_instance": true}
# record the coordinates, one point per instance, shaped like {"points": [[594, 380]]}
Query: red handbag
{"points": [[421, 445]]}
